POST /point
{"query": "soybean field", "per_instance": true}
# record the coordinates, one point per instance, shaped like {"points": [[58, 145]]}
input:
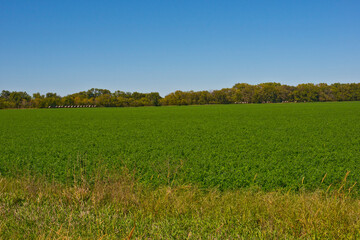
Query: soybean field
{"points": [[271, 146]]}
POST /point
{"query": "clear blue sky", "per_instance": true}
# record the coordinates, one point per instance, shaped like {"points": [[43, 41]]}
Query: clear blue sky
{"points": [[67, 46]]}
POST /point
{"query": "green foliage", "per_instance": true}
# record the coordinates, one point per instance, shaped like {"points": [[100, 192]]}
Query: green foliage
{"points": [[239, 93], [272, 146], [267, 93]]}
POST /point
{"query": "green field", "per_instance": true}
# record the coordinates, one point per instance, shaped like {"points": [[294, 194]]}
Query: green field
{"points": [[272, 146], [252, 171]]}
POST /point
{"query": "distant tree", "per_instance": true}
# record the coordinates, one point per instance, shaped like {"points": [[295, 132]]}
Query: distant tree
{"points": [[306, 92], [154, 98], [268, 92], [96, 92], [220, 96], [137, 95], [240, 92], [5, 94], [245, 92], [20, 99]]}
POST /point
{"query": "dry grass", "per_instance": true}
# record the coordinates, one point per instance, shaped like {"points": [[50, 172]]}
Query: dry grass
{"points": [[119, 207]]}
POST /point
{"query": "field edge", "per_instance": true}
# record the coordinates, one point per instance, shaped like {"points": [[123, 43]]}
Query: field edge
{"points": [[123, 208]]}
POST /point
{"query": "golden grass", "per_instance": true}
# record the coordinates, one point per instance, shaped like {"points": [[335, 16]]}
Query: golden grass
{"points": [[119, 207]]}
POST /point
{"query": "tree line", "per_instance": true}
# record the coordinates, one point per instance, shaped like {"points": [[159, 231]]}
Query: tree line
{"points": [[239, 93]]}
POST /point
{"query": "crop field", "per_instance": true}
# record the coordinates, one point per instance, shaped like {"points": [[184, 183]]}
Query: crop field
{"points": [[271, 146]]}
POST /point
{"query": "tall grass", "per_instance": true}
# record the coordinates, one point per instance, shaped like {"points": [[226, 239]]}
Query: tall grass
{"points": [[120, 207]]}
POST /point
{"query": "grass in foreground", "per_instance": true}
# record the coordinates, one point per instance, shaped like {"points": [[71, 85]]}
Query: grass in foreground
{"points": [[120, 207]]}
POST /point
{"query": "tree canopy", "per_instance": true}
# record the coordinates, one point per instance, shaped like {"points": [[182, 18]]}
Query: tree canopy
{"points": [[270, 92]]}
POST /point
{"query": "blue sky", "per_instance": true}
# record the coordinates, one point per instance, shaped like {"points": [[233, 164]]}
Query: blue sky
{"points": [[67, 46]]}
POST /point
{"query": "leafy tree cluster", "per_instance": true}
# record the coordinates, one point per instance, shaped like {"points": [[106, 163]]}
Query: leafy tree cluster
{"points": [[267, 93], [94, 96], [239, 93]]}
